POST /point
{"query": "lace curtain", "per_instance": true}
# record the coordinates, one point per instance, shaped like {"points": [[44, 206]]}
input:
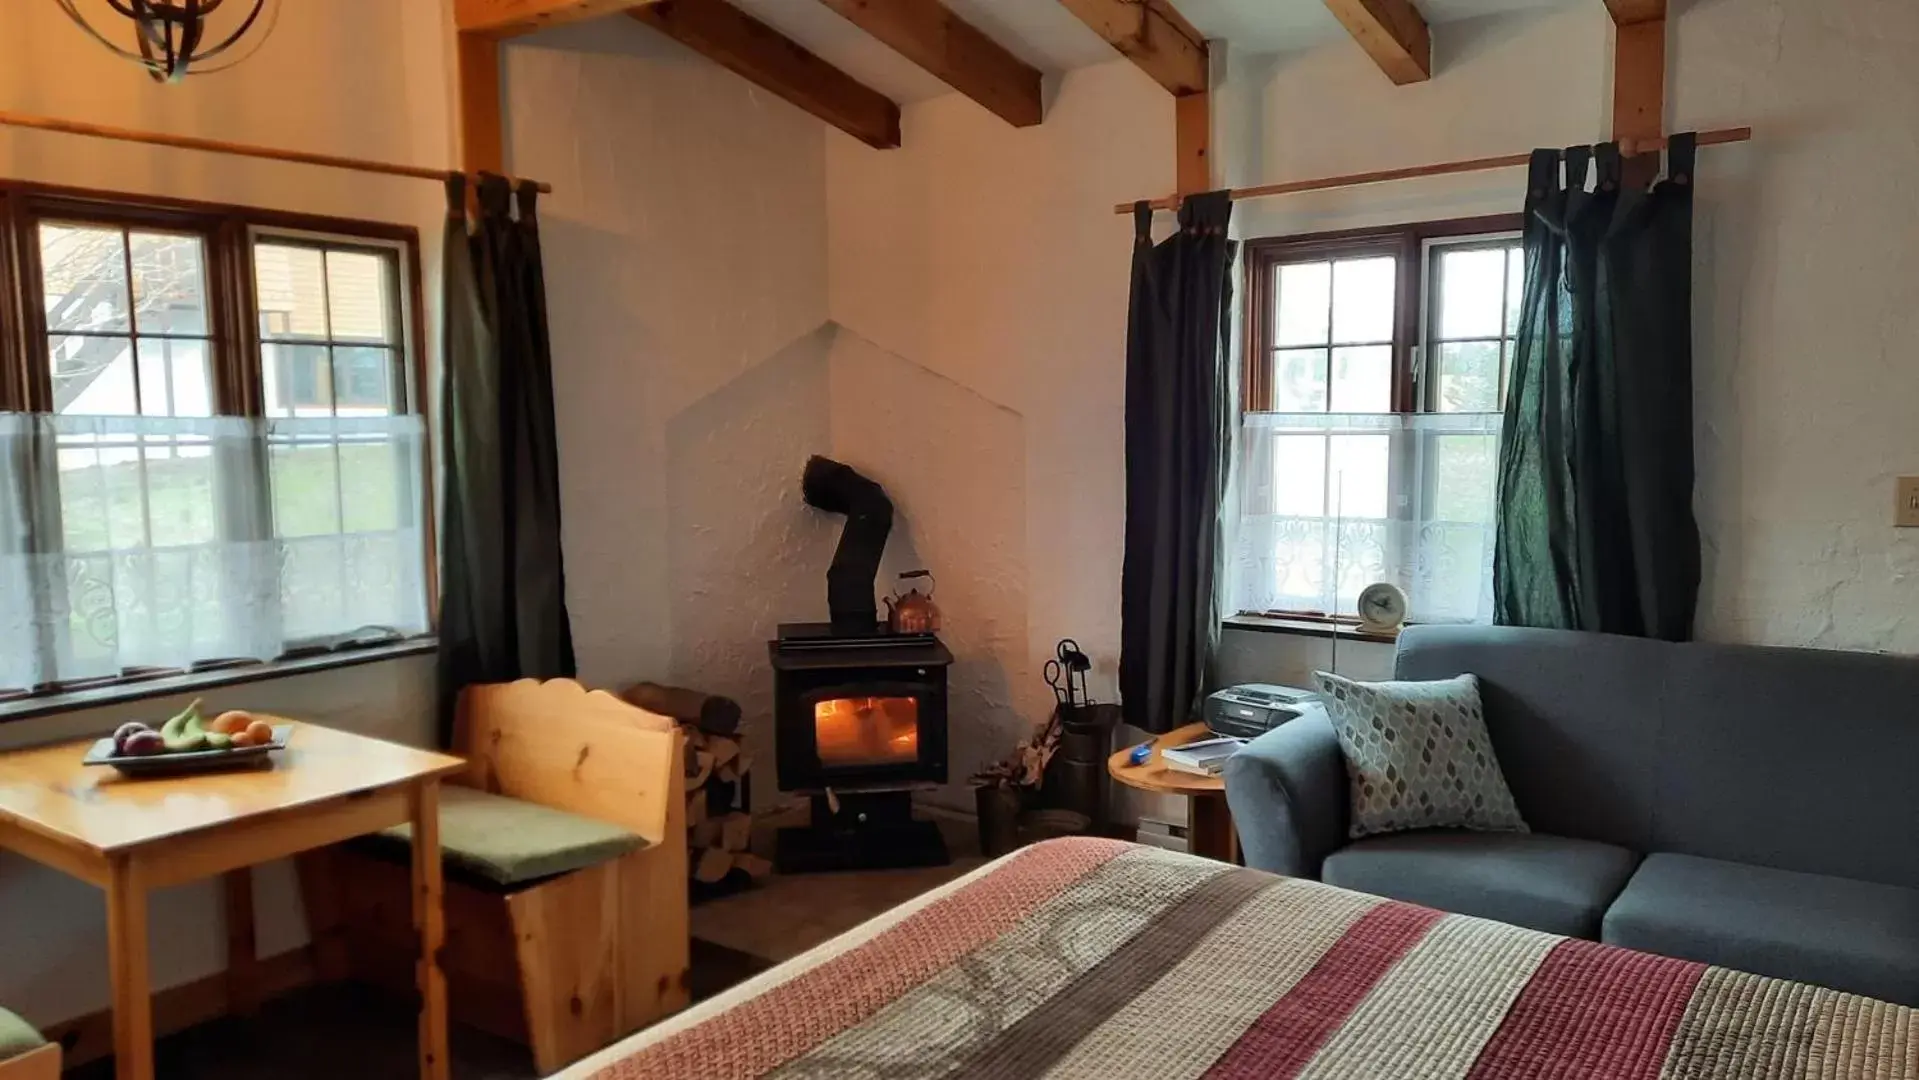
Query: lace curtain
{"points": [[1330, 503], [131, 543]]}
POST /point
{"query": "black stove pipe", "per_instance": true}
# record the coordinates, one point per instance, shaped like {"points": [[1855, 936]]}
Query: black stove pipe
{"points": [[839, 489]]}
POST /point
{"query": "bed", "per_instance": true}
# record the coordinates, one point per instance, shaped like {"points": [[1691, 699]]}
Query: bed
{"points": [[1095, 958]]}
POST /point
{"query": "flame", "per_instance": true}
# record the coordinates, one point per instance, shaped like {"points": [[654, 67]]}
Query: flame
{"points": [[867, 730]]}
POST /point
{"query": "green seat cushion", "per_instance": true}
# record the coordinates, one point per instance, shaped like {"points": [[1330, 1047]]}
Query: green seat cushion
{"points": [[17, 1036], [510, 842]]}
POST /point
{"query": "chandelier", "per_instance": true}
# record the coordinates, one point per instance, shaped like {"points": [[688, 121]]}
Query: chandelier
{"points": [[174, 35]]}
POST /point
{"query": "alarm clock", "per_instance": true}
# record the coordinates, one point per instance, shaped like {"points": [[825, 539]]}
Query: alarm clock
{"points": [[1382, 607]]}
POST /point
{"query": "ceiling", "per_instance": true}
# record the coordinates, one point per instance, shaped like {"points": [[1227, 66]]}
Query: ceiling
{"points": [[1046, 35]]}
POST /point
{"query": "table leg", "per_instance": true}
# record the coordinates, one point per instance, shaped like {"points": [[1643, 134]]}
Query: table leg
{"points": [[243, 949], [127, 956], [1209, 828], [429, 922]]}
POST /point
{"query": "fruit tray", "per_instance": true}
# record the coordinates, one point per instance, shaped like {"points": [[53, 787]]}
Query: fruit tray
{"points": [[186, 760]]}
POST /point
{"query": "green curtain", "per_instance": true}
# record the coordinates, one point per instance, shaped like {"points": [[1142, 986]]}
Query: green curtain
{"points": [[1596, 529], [502, 580], [1179, 428]]}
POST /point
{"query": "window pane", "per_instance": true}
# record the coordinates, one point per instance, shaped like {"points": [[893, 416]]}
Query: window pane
{"points": [[169, 284], [84, 271], [306, 489], [362, 380], [371, 474], [290, 288], [297, 380], [1302, 302], [1363, 379], [1299, 380], [1463, 477], [176, 378], [359, 296], [1468, 374], [93, 376], [1472, 293], [1363, 295], [1299, 475], [1515, 288], [1360, 473], [181, 502]]}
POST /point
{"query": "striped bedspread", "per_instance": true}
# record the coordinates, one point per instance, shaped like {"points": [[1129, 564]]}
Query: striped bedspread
{"points": [[1092, 958]]}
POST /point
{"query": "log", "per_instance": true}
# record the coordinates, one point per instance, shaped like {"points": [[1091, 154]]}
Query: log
{"points": [[736, 831], [702, 769], [754, 866], [696, 809], [711, 713], [713, 865], [706, 834], [723, 750]]}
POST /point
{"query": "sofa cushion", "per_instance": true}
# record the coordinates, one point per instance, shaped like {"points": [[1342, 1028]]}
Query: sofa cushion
{"points": [[1417, 756], [1849, 935], [17, 1036], [1550, 883], [510, 842]]}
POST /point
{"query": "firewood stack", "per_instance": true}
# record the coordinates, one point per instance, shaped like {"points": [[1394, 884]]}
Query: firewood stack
{"points": [[719, 817]]}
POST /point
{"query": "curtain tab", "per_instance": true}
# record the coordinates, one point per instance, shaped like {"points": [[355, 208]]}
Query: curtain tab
{"points": [[456, 195], [526, 193], [1680, 153], [1143, 220], [495, 193], [1543, 175], [1610, 168], [1577, 159]]}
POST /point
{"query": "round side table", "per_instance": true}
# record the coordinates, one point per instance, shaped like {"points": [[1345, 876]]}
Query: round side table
{"points": [[1209, 824]]}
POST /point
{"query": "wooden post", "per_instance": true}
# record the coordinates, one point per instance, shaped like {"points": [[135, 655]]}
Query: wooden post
{"points": [[128, 957], [1192, 137], [482, 135], [1639, 91], [429, 921]]}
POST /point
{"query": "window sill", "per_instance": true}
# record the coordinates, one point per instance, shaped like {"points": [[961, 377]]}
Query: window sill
{"points": [[28, 708], [1320, 628]]}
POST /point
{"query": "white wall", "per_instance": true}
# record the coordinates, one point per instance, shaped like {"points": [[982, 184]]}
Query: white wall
{"points": [[365, 78]]}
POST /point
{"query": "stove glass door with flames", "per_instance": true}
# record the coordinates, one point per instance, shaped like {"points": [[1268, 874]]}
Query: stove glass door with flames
{"points": [[855, 732]]}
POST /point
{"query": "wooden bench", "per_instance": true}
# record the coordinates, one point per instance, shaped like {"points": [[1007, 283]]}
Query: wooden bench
{"points": [[565, 962], [24, 1055]]}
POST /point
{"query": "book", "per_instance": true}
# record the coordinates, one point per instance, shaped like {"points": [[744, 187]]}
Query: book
{"points": [[1204, 758]]}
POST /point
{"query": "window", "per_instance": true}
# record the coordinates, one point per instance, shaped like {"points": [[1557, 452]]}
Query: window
{"points": [[211, 451], [1374, 376]]}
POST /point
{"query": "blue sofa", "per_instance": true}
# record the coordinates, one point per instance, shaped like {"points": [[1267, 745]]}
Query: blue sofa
{"points": [[1756, 808]]}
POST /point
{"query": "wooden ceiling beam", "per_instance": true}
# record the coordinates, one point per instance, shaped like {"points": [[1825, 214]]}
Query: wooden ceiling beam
{"points": [[1630, 12], [952, 50], [1153, 35], [1393, 33], [510, 18], [763, 56]]}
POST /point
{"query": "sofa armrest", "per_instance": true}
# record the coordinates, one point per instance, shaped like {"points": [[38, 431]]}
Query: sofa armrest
{"points": [[1287, 789]]}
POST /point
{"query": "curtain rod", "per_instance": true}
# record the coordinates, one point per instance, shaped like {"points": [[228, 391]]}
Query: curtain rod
{"points": [[1509, 161], [217, 146]]}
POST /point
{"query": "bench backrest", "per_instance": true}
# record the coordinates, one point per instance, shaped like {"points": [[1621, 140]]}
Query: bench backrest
{"points": [[558, 744]]}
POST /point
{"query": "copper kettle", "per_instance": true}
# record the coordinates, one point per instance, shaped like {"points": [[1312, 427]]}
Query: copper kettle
{"points": [[913, 612]]}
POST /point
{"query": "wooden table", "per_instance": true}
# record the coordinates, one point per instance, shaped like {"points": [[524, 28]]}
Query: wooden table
{"points": [[131, 836], [1209, 824]]}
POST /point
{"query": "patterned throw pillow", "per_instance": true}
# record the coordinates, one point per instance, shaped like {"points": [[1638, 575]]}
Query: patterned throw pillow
{"points": [[1418, 756]]}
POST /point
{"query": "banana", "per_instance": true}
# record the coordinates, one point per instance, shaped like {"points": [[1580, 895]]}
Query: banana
{"points": [[185, 731], [219, 740]]}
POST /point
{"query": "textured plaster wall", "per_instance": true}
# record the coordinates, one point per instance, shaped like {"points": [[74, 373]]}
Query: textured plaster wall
{"points": [[364, 78], [986, 264]]}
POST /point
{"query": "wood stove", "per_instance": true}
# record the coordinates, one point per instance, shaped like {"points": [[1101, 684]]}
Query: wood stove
{"points": [[859, 724]]}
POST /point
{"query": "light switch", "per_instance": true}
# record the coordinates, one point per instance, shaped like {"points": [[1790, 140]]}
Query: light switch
{"points": [[1906, 514]]}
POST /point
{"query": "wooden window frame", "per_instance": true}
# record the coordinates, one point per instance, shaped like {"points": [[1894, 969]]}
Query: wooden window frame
{"points": [[1265, 255], [1414, 322], [228, 233]]}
